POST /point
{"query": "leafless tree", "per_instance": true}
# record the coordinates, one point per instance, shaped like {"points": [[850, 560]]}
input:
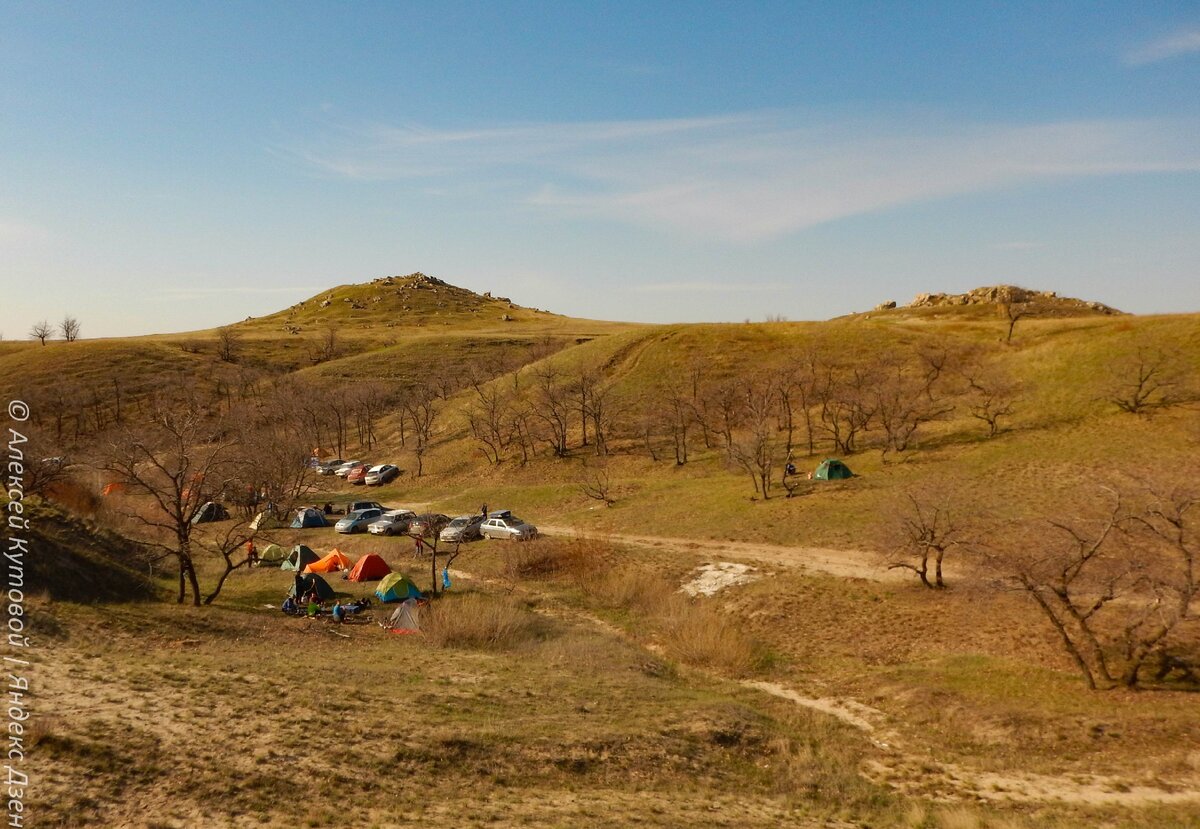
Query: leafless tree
{"points": [[490, 418], [421, 405], [1147, 379], [228, 344], [41, 331], [1013, 312], [326, 347], [991, 394], [69, 328], [925, 530], [1117, 583], [552, 406], [755, 450], [904, 401], [179, 460], [597, 484]]}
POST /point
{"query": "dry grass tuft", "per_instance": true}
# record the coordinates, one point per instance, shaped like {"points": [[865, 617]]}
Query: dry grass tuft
{"points": [[579, 558], [479, 622]]}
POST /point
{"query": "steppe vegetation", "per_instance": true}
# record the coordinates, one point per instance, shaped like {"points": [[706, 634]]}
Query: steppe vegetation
{"points": [[993, 624]]}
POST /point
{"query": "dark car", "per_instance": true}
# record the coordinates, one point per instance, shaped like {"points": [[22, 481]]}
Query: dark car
{"points": [[431, 523]]}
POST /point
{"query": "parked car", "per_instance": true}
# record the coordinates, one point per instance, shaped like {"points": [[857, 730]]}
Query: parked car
{"points": [[504, 524], [344, 470], [357, 505], [357, 521], [392, 522], [463, 528], [381, 474], [431, 523], [358, 474], [328, 467]]}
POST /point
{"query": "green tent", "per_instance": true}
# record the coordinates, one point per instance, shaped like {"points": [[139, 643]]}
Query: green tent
{"points": [[307, 583], [273, 554], [831, 469], [299, 558], [396, 587]]}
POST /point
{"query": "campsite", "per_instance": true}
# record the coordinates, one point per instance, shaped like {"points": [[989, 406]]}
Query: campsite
{"points": [[829, 640], [760, 415]]}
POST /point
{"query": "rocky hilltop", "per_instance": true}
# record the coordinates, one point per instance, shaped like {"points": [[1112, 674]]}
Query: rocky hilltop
{"points": [[1042, 303]]}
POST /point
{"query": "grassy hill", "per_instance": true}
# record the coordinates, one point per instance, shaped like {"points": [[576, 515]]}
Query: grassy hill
{"points": [[568, 682]]}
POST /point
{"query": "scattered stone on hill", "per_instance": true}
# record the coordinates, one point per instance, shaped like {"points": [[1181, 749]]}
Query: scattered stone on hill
{"points": [[1046, 301], [326, 303], [885, 306], [505, 318]]}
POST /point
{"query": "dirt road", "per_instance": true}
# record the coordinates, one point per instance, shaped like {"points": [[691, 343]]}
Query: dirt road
{"points": [[851, 564]]}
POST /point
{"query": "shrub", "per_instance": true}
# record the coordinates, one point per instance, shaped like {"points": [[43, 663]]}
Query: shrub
{"points": [[479, 622]]}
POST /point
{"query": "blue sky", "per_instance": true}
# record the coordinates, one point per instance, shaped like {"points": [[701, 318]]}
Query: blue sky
{"points": [[174, 166]]}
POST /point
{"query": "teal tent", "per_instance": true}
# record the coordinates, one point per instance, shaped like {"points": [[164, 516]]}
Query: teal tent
{"points": [[396, 587], [309, 582], [299, 558], [831, 469]]}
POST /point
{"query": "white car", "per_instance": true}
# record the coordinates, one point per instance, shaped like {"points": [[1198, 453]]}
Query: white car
{"points": [[344, 470], [506, 525], [392, 522]]}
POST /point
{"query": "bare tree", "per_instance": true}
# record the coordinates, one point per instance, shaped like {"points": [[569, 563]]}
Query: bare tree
{"points": [[41, 331], [179, 460], [926, 529], [1117, 584], [69, 328], [421, 406], [1013, 312], [904, 401], [756, 450], [326, 347], [597, 484], [228, 344], [1144, 380], [991, 395], [552, 406]]}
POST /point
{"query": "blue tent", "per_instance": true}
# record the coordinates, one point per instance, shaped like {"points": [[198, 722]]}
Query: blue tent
{"points": [[308, 517], [396, 587]]}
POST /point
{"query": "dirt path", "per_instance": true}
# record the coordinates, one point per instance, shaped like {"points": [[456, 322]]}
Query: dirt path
{"points": [[850, 564]]}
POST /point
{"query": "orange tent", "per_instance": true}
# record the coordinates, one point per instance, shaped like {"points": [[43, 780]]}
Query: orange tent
{"points": [[115, 486], [369, 568], [333, 562]]}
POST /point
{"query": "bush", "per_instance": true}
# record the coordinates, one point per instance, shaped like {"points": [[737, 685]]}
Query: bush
{"points": [[579, 558], [478, 622]]}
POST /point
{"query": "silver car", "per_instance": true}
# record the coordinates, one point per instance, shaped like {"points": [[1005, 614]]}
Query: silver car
{"points": [[506, 525], [344, 470], [462, 528], [392, 522], [357, 521]]}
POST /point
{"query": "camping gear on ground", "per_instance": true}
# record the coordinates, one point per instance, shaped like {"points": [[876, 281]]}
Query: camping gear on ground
{"points": [[369, 568], [404, 619], [308, 517], [305, 584], [831, 469], [211, 511], [272, 554], [299, 558], [332, 563], [397, 587]]}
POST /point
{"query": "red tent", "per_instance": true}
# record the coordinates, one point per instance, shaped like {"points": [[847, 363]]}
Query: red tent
{"points": [[369, 568]]}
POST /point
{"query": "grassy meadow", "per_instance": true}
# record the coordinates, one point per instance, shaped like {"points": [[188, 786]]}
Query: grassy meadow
{"points": [[568, 681]]}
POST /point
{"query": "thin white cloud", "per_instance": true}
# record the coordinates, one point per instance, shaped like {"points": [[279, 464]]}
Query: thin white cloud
{"points": [[704, 287], [208, 292], [753, 176], [15, 233], [1181, 42]]}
